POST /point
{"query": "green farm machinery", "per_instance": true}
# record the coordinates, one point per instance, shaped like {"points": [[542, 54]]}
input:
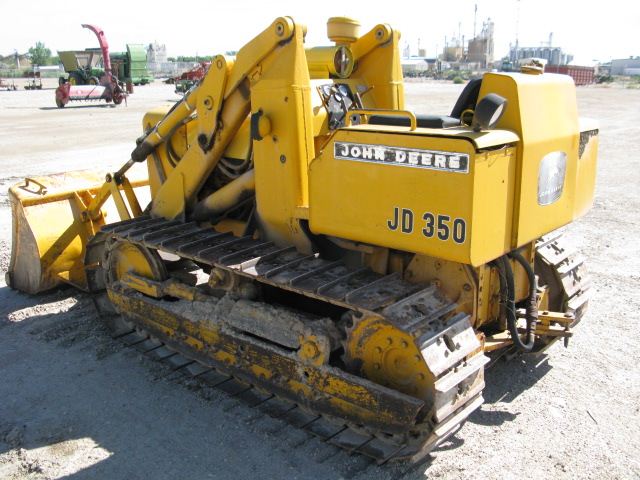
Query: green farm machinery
{"points": [[87, 67]]}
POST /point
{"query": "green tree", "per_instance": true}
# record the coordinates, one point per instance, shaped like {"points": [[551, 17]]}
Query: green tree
{"points": [[39, 54]]}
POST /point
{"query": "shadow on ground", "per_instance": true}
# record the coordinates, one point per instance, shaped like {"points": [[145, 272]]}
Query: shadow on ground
{"points": [[505, 381], [75, 107]]}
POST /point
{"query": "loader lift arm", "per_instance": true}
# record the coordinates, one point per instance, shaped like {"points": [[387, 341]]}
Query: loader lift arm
{"points": [[219, 105], [221, 102]]}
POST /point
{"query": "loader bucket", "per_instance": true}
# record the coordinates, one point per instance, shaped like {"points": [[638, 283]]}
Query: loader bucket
{"points": [[49, 232]]}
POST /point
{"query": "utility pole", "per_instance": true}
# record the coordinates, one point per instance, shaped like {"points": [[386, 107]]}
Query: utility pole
{"points": [[475, 18], [458, 58], [446, 53], [462, 49], [517, 29]]}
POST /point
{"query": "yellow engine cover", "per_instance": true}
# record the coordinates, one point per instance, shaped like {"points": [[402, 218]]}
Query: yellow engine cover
{"points": [[557, 152], [424, 191], [457, 194]]}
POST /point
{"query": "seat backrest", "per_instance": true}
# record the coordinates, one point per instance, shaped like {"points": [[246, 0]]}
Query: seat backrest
{"points": [[468, 98]]}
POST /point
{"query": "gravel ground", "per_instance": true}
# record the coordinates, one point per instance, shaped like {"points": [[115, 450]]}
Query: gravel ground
{"points": [[76, 404]]}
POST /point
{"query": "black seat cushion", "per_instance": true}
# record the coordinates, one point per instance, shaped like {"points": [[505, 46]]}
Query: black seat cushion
{"points": [[467, 100], [424, 121]]}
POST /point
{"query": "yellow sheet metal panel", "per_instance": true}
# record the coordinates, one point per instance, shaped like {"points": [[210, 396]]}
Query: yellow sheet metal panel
{"points": [[281, 158], [413, 192], [493, 204], [542, 111]]}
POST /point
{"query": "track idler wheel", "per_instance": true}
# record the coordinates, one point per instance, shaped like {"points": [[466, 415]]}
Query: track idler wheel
{"points": [[388, 356], [441, 363], [125, 257]]}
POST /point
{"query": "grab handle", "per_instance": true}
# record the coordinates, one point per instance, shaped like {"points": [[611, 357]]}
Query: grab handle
{"points": [[413, 122]]}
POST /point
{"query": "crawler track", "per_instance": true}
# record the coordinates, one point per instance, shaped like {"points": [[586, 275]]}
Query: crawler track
{"points": [[565, 274], [413, 429], [376, 444]]}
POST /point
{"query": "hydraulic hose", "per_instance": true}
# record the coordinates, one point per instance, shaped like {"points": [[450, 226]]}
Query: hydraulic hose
{"points": [[531, 307], [507, 294]]}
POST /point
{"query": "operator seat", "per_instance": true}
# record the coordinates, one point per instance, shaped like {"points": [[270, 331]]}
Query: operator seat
{"points": [[467, 99]]}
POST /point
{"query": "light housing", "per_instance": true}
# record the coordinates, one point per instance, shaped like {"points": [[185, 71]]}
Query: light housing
{"points": [[488, 111], [551, 175]]}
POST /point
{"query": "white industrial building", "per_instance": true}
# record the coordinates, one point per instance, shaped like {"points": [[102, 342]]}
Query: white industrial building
{"points": [[625, 66]]}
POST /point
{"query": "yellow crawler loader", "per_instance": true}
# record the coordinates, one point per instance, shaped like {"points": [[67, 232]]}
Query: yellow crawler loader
{"points": [[302, 241]]}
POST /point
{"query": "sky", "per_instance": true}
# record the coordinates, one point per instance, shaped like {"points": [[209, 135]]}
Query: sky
{"points": [[589, 30]]}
